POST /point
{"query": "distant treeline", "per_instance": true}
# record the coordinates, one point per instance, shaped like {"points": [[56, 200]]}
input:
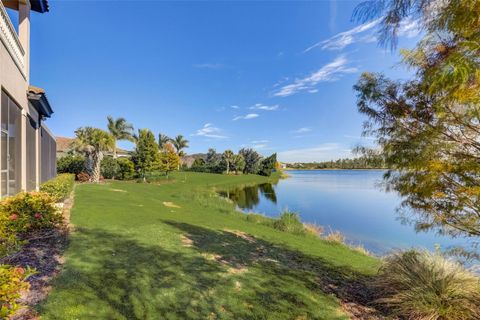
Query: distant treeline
{"points": [[371, 162]]}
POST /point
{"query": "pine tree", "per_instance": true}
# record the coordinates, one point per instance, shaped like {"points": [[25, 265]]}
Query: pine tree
{"points": [[169, 160], [146, 156]]}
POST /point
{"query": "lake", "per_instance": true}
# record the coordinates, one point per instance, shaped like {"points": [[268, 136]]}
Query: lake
{"points": [[350, 201]]}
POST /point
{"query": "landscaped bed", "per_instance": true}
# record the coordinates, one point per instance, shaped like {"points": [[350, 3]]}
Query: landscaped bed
{"points": [[178, 251]]}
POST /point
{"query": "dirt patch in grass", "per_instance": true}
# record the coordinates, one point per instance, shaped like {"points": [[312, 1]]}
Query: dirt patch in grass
{"points": [[118, 190], [242, 235], [169, 204], [186, 241]]}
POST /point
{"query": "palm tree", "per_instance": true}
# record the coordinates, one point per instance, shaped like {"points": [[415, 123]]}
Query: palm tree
{"points": [[180, 143], [120, 129], [163, 140], [93, 142], [228, 157]]}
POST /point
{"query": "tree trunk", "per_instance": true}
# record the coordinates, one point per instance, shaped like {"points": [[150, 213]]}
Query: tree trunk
{"points": [[228, 167], [97, 160], [88, 163], [115, 150]]}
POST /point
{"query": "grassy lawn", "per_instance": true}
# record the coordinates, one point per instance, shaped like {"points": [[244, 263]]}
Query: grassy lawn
{"points": [[175, 250]]}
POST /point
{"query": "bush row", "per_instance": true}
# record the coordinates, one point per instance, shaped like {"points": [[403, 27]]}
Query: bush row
{"points": [[60, 187], [120, 168], [21, 215]]}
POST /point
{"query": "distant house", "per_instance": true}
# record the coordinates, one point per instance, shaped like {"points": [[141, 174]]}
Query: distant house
{"points": [[27, 146], [64, 148]]}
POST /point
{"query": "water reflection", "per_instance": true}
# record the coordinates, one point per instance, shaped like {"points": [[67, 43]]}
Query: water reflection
{"points": [[248, 197], [346, 200]]}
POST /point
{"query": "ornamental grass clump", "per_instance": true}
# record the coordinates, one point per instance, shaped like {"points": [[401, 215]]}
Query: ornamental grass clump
{"points": [[427, 286], [289, 222]]}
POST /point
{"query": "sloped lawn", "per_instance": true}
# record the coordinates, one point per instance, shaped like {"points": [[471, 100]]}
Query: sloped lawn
{"points": [[175, 250]]}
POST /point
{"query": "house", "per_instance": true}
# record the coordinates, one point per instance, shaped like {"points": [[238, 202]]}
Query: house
{"points": [[27, 146], [64, 147]]}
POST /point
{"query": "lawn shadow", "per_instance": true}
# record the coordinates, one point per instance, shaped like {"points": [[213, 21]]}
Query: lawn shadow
{"points": [[239, 251], [221, 275]]}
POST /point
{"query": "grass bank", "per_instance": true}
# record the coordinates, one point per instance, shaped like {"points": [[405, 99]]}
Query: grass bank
{"points": [[175, 250]]}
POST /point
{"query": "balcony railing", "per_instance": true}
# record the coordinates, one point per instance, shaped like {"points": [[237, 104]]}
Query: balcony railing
{"points": [[9, 37]]}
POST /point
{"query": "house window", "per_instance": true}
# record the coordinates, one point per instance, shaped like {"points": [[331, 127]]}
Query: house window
{"points": [[10, 145]]}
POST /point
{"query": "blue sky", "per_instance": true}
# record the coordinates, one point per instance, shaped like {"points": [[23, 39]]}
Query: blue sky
{"points": [[275, 76]]}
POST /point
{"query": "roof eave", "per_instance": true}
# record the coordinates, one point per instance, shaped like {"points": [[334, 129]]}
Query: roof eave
{"points": [[40, 6], [40, 103]]}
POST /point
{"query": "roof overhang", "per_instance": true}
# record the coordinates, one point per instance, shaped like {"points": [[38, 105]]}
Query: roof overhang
{"points": [[35, 5], [39, 100], [39, 5]]}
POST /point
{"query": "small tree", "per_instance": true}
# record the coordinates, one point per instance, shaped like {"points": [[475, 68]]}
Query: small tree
{"points": [[268, 165], [120, 129], [146, 156], [252, 160], [109, 167], [238, 163], [213, 161], [126, 169], [180, 143], [228, 157], [169, 160], [163, 140], [198, 165], [93, 142]]}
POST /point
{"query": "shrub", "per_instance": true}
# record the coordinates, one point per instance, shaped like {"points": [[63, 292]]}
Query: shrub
{"points": [[8, 236], [83, 177], [12, 282], [71, 164], [424, 285], [60, 187], [289, 222], [126, 169], [198, 165], [260, 219], [109, 168], [30, 211], [267, 165]]}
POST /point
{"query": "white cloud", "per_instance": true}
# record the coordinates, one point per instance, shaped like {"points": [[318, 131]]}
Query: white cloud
{"points": [[343, 39], [409, 28], [365, 33], [246, 117], [260, 106], [329, 72], [210, 131], [235, 107], [323, 152], [256, 144], [302, 130]]}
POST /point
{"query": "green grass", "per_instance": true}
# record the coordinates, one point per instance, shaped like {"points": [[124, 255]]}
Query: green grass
{"points": [[134, 255]]}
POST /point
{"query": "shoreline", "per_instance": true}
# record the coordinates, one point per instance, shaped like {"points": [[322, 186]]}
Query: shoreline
{"points": [[335, 169]]}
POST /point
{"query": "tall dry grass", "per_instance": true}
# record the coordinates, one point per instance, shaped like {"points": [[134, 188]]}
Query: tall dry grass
{"points": [[426, 286]]}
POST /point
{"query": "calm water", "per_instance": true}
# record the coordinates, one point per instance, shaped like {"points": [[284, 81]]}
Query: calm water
{"points": [[346, 200]]}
